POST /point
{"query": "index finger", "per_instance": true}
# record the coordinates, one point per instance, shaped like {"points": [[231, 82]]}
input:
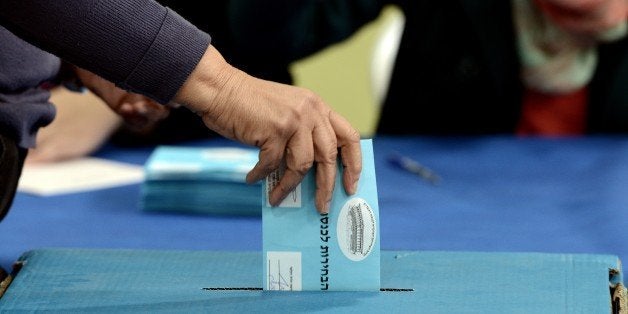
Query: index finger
{"points": [[299, 157]]}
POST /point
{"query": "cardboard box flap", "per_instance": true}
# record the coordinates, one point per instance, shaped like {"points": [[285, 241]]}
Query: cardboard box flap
{"points": [[619, 299], [5, 281]]}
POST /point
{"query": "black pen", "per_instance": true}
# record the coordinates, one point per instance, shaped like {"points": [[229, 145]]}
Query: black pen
{"points": [[410, 165]]}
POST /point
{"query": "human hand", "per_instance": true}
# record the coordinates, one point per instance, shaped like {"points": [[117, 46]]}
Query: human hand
{"points": [[81, 125], [138, 111], [289, 124]]}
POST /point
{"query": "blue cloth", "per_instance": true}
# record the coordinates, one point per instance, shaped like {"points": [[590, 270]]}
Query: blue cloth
{"points": [[496, 194]]}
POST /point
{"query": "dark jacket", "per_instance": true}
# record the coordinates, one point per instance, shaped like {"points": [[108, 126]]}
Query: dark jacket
{"points": [[145, 55]]}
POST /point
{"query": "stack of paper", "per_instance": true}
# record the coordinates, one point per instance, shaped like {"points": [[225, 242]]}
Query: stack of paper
{"points": [[201, 180]]}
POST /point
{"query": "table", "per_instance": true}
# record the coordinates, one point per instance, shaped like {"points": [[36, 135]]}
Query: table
{"points": [[498, 193]]}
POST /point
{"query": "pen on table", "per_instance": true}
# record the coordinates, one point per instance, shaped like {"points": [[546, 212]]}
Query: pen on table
{"points": [[410, 165]]}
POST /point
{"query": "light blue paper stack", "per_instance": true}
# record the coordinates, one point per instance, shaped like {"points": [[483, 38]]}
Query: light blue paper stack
{"points": [[201, 181]]}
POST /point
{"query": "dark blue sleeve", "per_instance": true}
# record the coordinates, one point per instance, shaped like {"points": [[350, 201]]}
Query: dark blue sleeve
{"points": [[137, 44]]}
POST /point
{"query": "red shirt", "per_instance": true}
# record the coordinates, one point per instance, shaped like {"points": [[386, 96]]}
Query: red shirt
{"points": [[553, 115]]}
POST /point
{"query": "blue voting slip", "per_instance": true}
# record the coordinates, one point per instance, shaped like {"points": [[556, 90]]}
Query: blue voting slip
{"points": [[305, 250], [229, 164], [201, 180], [163, 281]]}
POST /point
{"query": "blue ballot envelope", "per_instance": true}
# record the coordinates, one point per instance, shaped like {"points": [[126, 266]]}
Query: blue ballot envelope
{"points": [[305, 250]]}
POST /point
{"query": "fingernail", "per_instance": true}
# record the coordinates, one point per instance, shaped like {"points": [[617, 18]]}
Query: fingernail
{"points": [[325, 209], [274, 202], [355, 187]]}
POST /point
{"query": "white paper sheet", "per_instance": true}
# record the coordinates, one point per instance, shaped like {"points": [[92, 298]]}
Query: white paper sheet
{"points": [[77, 175]]}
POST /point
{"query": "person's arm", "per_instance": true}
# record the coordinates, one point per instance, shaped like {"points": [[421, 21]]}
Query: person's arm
{"points": [[138, 111], [138, 45], [82, 124], [146, 48]]}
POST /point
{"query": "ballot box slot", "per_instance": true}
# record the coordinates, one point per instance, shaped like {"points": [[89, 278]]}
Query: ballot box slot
{"points": [[259, 289]]}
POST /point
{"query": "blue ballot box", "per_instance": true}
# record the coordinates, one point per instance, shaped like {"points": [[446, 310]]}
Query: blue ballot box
{"points": [[158, 281]]}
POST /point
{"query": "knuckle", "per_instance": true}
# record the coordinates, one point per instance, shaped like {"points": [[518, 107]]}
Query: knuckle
{"points": [[272, 164], [329, 153], [310, 97], [285, 124], [311, 101], [286, 187], [303, 167], [354, 135], [268, 165]]}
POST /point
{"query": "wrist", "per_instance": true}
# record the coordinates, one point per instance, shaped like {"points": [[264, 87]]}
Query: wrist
{"points": [[208, 79]]}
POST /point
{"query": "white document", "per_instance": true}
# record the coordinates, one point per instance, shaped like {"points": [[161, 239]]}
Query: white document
{"points": [[77, 175]]}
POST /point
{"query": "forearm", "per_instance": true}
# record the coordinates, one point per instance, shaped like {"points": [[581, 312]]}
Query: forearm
{"points": [[139, 45]]}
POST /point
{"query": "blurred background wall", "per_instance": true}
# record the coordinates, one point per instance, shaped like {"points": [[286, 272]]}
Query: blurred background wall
{"points": [[341, 74]]}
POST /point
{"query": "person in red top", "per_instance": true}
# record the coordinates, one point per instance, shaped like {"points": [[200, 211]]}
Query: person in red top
{"points": [[468, 67], [558, 41]]}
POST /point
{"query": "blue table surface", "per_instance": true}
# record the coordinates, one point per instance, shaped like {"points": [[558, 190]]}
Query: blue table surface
{"points": [[497, 194]]}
